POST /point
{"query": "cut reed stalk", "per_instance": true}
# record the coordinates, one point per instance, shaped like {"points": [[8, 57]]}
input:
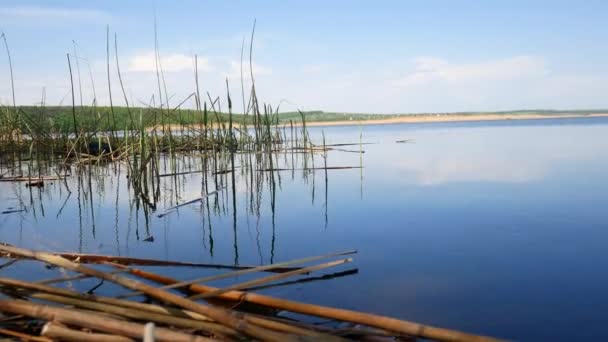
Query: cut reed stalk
{"points": [[62, 333]]}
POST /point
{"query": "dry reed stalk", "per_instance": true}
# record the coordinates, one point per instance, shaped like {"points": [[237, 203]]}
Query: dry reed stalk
{"points": [[372, 320], [275, 277], [59, 332], [222, 316], [73, 99], [63, 295], [92, 321], [213, 328]]}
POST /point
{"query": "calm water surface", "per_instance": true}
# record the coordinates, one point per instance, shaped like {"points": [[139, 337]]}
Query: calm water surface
{"points": [[493, 228]]}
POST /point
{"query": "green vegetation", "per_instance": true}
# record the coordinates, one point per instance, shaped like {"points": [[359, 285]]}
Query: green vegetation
{"points": [[92, 119]]}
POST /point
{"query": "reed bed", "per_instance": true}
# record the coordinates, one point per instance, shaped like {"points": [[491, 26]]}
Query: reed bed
{"points": [[47, 143]]}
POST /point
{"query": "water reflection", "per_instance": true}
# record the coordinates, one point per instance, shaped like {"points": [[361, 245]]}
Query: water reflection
{"points": [[185, 187], [466, 226]]}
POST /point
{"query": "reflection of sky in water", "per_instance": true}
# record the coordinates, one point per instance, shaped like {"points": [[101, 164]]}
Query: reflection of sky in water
{"points": [[495, 228]]}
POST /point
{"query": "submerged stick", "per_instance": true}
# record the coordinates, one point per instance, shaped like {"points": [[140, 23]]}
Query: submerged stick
{"points": [[172, 209], [29, 179]]}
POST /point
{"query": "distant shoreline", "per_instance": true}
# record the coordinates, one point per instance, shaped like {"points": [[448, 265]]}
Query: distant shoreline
{"points": [[431, 118], [414, 118]]}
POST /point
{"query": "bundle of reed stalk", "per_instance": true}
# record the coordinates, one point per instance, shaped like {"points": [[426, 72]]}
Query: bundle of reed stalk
{"points": [[46, 312]]}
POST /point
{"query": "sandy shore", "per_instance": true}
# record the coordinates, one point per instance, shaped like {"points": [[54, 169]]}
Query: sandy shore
{"points": [[452, 118], [421, 119]]}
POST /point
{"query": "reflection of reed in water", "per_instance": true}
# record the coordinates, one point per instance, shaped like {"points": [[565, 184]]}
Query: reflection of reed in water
{"points": [[250, 176]]}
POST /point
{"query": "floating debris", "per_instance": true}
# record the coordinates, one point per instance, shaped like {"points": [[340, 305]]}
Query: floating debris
{"points": [[172, 209], [35, 184], [29, 179], [10, 211]]}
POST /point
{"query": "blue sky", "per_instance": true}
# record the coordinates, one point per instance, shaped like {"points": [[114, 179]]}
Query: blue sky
{"points": [[347, 56]]}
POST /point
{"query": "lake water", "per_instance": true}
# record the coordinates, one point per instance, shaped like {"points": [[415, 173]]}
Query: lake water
{"points": [[495, 228]]}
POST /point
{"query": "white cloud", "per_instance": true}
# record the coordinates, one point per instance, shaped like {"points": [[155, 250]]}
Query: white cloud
{"points": [[169, 63], [235, 71], [38, 12], [431, 69]]}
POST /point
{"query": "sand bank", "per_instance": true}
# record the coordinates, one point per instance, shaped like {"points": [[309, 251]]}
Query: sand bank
{"points": [[452, 118]]}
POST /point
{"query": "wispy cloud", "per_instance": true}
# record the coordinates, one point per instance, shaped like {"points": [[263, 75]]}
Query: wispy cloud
{"points": [[39, 12], [429, 69], [170, 63]]}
